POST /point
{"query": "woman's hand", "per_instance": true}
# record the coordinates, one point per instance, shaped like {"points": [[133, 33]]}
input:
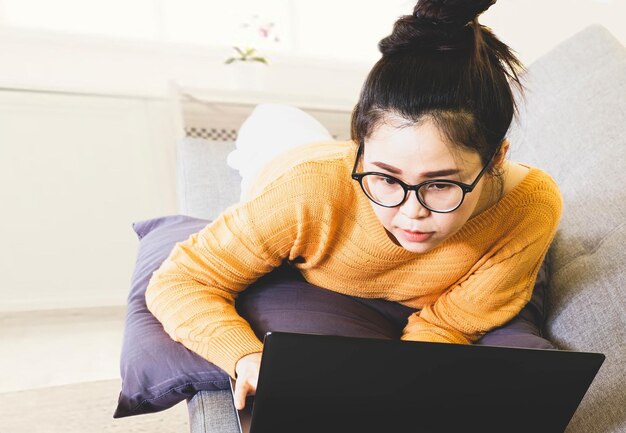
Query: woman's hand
{"points": [[247, 369]]}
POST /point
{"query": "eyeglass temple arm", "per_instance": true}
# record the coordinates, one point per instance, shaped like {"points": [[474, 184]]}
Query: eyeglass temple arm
{"points": [[493, 156], [356, 160]]}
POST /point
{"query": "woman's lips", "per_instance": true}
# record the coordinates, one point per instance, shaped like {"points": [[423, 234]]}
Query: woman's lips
{"points": [[412, 236]]}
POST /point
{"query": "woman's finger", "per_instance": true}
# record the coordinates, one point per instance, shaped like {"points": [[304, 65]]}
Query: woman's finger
{"points": [[241, 390]]}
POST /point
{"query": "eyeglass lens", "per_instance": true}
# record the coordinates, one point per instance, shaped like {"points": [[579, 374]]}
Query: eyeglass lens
{"points": [[387, 191]]}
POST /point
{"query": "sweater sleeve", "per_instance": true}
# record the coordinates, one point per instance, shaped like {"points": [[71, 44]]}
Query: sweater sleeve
{"points": [[497, 290], [193, 292]]}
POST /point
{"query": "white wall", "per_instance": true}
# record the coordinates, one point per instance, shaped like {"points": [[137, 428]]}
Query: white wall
{"points": [[534, 27], [44, 60], [77, 168], [92, 65], [75, 172]]}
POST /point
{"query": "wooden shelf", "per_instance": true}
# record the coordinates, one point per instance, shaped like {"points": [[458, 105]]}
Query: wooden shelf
{"points": [[254, 97]]}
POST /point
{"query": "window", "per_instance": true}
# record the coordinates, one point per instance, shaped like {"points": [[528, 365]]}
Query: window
{"points": [[134, 19], [304, 28], [262, 24], [346, 29]]}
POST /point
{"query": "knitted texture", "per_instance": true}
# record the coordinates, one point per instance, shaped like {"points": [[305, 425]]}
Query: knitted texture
{"points": [[306, 209]]}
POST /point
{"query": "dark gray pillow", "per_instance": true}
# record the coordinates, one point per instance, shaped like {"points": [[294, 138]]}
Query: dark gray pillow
{"points": [[156, 371]]}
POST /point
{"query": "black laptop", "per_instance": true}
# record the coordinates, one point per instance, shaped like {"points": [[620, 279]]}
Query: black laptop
{"points": [[327, 384]]}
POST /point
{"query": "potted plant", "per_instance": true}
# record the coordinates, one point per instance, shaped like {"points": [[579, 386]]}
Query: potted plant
{"points": [[252, 72]]}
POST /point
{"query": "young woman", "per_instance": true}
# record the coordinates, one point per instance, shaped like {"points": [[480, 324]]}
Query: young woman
{"points": [[419, 216]]}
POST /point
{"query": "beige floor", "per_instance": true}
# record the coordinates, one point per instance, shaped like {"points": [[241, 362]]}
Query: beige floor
{"points": [[59, 373], [59, 347], [81, 408]]}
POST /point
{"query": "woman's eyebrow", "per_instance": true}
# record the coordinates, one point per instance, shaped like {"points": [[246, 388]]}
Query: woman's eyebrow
{"points": [[436, 173]]}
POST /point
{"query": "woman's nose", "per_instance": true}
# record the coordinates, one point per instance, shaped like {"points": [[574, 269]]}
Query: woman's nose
{"points": [[412, 208]]}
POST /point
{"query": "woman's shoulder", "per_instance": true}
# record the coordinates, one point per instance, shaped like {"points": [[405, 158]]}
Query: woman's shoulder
{"points": [[531, 202], [530, 188], [530, 179]]}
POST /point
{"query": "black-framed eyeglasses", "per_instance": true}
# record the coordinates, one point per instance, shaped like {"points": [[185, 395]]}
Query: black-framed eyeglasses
{"points": [[436, 195]]}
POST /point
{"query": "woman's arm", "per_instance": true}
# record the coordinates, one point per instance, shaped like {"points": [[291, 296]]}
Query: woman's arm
{"points": [[497, 291], [193, 292]]}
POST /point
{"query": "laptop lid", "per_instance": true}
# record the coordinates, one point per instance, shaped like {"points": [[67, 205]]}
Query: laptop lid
{"points": [[321, 383]]}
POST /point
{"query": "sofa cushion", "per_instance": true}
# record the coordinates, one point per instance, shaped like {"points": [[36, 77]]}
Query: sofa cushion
{"points": [[571, 124], [206, 185], [284, 301], [156, 371]]}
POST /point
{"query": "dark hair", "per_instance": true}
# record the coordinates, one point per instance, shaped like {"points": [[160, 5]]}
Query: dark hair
{"points": [[440, 63]]}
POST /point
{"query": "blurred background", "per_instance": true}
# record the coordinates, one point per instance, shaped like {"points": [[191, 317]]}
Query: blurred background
{"points": [[135, 47], [94, 95]]}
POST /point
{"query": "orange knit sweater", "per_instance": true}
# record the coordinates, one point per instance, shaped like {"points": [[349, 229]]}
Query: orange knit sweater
{"points": [[307, 209]]}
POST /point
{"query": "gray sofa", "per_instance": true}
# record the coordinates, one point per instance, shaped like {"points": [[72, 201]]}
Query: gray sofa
{"points": [[571, 124]]}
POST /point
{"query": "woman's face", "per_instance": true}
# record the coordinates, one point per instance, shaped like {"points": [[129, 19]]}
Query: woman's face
{"points": [[414, 154]]}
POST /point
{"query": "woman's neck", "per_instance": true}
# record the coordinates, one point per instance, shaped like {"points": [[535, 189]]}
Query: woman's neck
{"points": [[492, 191], [496, 187]]}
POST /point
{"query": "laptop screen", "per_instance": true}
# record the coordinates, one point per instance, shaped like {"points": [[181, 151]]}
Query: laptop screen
{"points": [[320, 383]]}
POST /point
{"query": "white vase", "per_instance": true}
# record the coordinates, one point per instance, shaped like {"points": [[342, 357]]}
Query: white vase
{"points": [[249, 75]]}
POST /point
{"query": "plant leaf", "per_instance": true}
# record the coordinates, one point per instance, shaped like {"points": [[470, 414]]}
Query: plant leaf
{"points": [[239, 51], [230, 60], [259, 59]]}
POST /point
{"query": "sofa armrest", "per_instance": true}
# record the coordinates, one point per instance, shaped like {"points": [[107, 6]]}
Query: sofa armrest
{"points": [[212, 412]]}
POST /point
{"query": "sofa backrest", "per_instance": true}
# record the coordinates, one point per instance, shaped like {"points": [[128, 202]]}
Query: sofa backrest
{"points": [[572, 124], [206, 185]]}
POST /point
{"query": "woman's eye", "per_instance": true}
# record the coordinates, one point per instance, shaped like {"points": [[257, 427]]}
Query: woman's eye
{"points": [[438, 186], [389, 181]]}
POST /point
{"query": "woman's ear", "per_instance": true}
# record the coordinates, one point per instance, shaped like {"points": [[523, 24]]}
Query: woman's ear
{"points": [[498, 160]]}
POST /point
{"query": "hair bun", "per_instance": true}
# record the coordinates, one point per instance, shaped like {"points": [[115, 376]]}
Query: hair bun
{"points": [[450, 12], [435, 24]]}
